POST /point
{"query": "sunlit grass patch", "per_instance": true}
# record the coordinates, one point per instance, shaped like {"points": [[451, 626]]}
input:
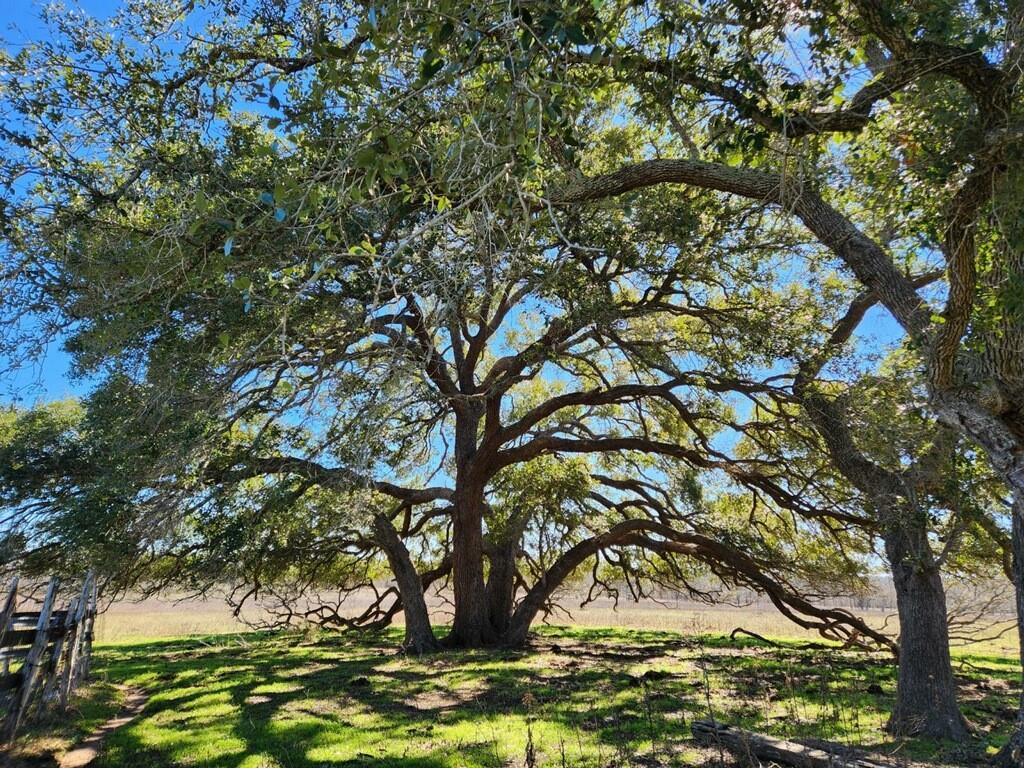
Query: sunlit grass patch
{"points": [[579, 697]]}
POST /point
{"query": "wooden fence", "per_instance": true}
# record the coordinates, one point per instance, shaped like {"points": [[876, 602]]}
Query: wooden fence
{"points": [[44, 654]]}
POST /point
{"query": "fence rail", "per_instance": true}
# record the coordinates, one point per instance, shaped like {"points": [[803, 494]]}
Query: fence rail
{"points": [[44, 654]]}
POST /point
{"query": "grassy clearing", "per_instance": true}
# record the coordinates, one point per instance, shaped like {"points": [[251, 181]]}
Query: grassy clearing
{"points": [[580, 697]]}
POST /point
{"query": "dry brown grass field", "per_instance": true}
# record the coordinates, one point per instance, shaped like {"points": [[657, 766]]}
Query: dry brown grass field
{"points": [[153, 618]]}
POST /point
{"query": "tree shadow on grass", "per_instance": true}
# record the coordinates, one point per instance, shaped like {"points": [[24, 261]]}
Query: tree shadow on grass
{"points": [[261, 700]]}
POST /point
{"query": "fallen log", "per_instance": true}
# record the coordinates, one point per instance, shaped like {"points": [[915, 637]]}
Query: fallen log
{"points": [[756, 747]]}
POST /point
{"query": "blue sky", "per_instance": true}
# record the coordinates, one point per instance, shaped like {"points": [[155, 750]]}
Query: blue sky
{"points": [[20, 18], [49, 379]]}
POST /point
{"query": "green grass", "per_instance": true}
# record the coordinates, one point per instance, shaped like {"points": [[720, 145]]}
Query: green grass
{"points": [[580, 697]]}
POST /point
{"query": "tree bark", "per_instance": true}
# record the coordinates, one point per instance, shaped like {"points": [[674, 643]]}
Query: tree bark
{"points": [[529, 606], [419, 635], [471, 627], [926, 693], [501, 582]]}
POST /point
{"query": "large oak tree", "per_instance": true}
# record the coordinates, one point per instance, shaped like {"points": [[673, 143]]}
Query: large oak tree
{"points": [[380, 191]]}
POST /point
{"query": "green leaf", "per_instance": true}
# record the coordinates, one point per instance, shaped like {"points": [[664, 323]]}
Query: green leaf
{"points": [[430, 65], [576, 35], [365, 157]]}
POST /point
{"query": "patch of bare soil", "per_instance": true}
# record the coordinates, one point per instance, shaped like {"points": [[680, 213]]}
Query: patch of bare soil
{"points": [[89, 748]]}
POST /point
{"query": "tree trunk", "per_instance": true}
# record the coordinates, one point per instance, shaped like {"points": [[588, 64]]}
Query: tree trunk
{"points": [[926, 694], [471, 627], [518, 628], [1012, 755], [501, 580], [530, 606], [419, 635]]}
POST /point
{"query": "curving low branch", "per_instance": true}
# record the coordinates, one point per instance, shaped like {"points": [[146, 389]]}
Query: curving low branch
{"points": [[831, 623]]}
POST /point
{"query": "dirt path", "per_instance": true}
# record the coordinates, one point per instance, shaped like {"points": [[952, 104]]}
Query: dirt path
{"points": [[87, 750]]}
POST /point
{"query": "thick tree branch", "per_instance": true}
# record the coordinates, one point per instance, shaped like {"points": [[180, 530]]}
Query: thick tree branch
{"points": [[340, 478], [864, 257]]}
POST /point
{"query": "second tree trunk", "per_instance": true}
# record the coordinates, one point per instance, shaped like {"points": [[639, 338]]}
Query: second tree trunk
{"points": [[926, 693]]}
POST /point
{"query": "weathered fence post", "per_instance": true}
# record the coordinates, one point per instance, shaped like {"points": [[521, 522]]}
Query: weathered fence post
{"points": [[32, 665], [88, 624], [74, 644], [52, 674], [5, 617]]}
